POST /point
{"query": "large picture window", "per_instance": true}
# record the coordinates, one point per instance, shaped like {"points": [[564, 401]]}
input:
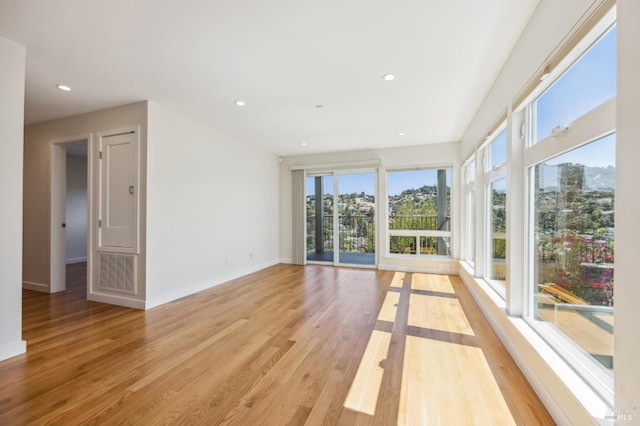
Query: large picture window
{"points": [[419, 212], [571, 163]]}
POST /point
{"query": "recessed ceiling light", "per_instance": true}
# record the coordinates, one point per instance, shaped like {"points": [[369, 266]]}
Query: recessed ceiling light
{"points": [[319, 106], [63, 87], [240, 103], [303, 144], [388, 77], [400, 133]]}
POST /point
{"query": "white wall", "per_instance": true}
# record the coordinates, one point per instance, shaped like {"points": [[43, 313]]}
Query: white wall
{"points": [[418, 156], [212, 203], [37, 191], [76, 210], [550, 23], [12, 58], [627, 290]]}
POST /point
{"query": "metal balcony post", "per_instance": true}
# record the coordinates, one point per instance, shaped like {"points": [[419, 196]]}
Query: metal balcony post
{"points": [[319, 214]]}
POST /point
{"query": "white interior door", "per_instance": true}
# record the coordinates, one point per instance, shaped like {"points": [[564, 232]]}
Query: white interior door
{"points": [[118, 193]]}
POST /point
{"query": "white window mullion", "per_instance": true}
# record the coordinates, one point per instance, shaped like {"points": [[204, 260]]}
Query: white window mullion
{"points": [[516, 204], [481, 204]]}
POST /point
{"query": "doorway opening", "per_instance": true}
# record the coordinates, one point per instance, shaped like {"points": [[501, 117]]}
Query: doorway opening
{"points": [[70, 213]]}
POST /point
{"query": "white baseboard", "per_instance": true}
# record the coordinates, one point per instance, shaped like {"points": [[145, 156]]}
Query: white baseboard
{"points": [[451, 270], [287, 261], [183, 292], [35, 286], [12, 349], [566, 396], [116, 300], [76, 260]]}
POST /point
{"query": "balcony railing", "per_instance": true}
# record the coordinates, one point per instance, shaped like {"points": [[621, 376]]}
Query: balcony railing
{"points": [[417, 222], [357, 234], [357, 231]]}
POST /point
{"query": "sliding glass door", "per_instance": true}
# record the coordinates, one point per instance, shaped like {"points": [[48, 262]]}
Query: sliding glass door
{"points": [[341, 214]]}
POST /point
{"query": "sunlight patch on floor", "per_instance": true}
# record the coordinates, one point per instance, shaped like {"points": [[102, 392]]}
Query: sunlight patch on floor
{"points": [[363, 395], [438, 313], [436, 283], [447, 383], [398, 279], [389, 307]]}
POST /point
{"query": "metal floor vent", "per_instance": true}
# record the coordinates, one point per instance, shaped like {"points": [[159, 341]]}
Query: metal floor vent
{"points": [[117, 272]]}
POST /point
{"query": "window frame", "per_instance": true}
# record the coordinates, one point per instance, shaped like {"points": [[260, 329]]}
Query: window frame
{"points": [[592, 126], [587, 367], [418, 234], [582, 49]]}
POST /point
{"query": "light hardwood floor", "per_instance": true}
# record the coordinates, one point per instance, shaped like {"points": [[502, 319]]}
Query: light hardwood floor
{"points": [[289, 345]]}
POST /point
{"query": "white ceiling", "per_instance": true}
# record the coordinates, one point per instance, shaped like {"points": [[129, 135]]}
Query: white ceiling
{"points": [[282, 57]]}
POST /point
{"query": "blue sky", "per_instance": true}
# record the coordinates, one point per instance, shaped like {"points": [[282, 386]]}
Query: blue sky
{"points": [[588, 83], [499, 149], [397, 181], [347, 184], [600, 153]]}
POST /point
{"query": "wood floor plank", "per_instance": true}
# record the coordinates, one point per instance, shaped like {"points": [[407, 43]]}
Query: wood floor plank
{"points": [[288, 345]]}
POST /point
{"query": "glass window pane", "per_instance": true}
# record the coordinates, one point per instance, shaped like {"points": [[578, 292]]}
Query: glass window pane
{"points": [[471, 226], [319, 194], [471, 171], [356, 213], [498, 150], [435, 245], [567, 99], [419, 200], [402, 245], [498, 241], [574, 246]]}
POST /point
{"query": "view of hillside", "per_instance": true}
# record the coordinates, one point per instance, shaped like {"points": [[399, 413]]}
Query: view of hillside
{"points": [[411, 202], [574, 228], [412, 209]]}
